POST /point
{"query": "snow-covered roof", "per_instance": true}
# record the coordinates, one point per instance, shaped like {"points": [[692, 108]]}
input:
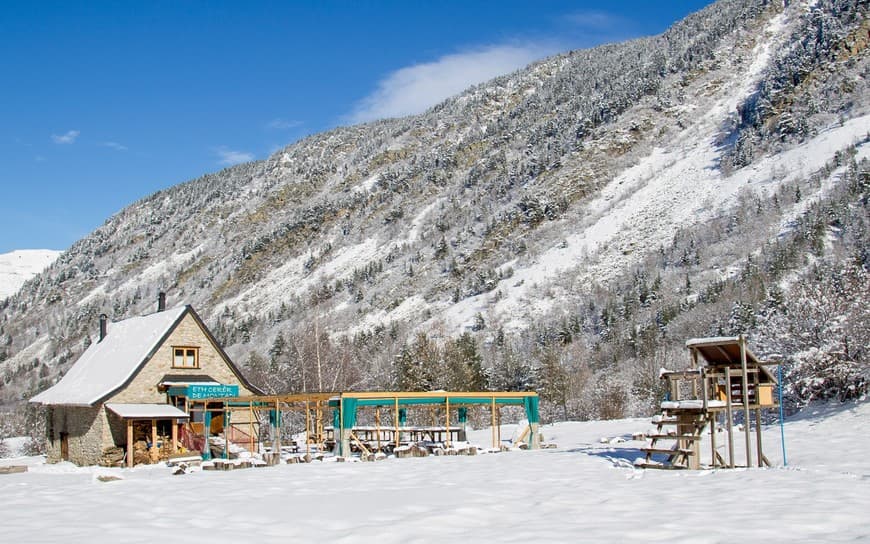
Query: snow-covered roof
{"points": [[691, 404], [721, 350], [171, 380], [725, 351], [107, 365], [145, 411], [712, 340]]}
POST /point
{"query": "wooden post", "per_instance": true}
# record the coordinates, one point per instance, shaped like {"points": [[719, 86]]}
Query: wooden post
{"points": [[746, 417], [498, 425], [730, 414], [154, 452], [318, 423], [702, 376], [174, 435], [251, 424], [226, 432], [130, 443], [378, 425], [492, 413], [758, 433], [307, 429]]}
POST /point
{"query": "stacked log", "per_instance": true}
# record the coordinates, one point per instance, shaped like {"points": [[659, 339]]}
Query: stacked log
{"points": [[411, 451], [112, 457], [141, 454]]}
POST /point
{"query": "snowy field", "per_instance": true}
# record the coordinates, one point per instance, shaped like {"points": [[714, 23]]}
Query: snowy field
{"points": [[584, 491]]}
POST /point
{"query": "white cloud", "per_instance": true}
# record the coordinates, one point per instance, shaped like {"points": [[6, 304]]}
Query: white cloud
{"points": [[415, 88], [114, 145], [68, 138], [594, 20], [230, 157], [282, 124]]}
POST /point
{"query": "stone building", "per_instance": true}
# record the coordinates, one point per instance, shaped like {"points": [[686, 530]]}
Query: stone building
{"points": [[135, 384]]}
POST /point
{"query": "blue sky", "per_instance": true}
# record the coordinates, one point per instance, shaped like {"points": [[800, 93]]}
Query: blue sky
{"points": [[103, 103]]}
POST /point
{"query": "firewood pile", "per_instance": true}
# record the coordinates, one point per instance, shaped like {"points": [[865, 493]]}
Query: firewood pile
{"points": [[411, 451], [112, 457]]}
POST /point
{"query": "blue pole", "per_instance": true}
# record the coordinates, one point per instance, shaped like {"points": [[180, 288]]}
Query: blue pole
{"points": [[781, 419]]}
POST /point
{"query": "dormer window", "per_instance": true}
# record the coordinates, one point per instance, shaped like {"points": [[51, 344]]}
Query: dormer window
{"points": [[184, 357]]}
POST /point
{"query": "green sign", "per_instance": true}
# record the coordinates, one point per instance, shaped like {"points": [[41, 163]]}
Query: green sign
{"points": [[194, 391]]}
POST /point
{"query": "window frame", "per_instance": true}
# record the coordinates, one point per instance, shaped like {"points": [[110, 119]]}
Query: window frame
{"points": [[185, 355]]}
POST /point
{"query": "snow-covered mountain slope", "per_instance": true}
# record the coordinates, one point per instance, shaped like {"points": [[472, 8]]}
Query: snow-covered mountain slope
{"points": [[579, 210], [19, 266], [586, 490]]}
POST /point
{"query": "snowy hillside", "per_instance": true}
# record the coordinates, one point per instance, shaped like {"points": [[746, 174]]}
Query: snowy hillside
{"points": [[584, 491], [19, 266], [563, 228]]}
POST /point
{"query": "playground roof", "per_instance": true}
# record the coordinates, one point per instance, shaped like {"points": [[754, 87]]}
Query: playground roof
{"points": [[725, 351], [412, 398], [721, 350]]}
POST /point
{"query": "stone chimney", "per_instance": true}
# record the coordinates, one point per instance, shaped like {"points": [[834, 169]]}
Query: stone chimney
{"points": [[103, 319], [161, 301]]}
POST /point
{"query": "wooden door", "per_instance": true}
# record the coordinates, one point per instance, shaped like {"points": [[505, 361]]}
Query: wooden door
{"points": [[64, 446]]}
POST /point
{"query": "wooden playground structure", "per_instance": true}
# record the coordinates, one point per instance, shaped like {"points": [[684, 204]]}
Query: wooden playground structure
{"points": [[725, 379], [332, 421]]}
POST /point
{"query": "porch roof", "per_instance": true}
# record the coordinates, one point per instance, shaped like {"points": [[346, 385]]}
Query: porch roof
{"points": [[146, 411]]}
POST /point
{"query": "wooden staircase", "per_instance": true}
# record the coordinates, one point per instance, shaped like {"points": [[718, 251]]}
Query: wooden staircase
{"points": [[678, 436]]}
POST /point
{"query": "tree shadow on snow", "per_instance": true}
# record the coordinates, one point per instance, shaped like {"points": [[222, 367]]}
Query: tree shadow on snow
{"points": [[622, 457]]}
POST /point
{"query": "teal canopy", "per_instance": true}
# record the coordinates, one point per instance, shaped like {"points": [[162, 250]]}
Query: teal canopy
{"points": [[531, 406], [347, 407], [348, 413]]}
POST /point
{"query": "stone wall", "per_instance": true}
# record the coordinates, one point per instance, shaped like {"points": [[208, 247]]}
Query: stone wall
{"points": [[143, 387], [85, 428]]}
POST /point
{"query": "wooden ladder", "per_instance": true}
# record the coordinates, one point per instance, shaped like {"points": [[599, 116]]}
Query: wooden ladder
{"points": [[680, 430]]}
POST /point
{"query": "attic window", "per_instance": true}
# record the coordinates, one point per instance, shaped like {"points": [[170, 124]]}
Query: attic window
{"points": [[185, 358]]}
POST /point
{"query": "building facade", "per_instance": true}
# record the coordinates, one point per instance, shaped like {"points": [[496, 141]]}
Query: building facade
{"points": [[120, 388]]}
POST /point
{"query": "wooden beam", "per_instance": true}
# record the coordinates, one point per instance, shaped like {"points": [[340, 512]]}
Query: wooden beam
{"points": [[130, 443], [730, 415], [154, 452], [746, 417], [358, 443], [307, 429], [378, 426], [524, 434], [436, 394], [226, 433], [492, 414], [723, 352], [759, 451], [251, 426], [498, 424]]}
